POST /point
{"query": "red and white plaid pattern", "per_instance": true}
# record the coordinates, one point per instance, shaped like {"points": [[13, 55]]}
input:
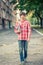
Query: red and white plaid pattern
{"points": [[25, 31]]}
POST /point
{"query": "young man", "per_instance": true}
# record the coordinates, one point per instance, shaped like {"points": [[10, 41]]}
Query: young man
{"points": [[23, 30]]}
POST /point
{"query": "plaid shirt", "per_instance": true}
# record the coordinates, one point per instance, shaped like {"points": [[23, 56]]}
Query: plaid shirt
{"points": [[25, 31]]}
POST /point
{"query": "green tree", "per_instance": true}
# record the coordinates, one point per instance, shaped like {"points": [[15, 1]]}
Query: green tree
{"points": [[29, 5]]}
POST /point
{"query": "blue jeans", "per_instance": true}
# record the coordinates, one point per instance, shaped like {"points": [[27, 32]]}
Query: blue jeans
{"points": [[23, 45]]}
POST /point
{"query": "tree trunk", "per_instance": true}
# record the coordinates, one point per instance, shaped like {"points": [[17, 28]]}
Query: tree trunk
{"points": [[41, 22], [41, 19], [38, 20], [3, 23], [9, 24]]}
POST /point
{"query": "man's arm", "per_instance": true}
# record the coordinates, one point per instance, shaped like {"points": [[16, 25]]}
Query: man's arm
{"points": [[16, 29], [29, 31]]}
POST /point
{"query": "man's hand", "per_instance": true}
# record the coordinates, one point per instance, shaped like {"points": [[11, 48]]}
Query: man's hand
{"points": [[28, 39], [18, 32]]}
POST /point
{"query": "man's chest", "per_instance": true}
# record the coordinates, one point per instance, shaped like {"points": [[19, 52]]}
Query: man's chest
{"points": [[24, 26]]}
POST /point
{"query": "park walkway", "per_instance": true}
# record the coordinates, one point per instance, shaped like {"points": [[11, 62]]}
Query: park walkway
{"points": [[9, 51]]}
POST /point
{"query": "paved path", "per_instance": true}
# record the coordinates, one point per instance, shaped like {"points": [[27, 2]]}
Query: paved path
{"points": [[9, 51]]}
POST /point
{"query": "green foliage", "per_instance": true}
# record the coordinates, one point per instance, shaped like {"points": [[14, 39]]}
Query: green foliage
{"points": [[29, 5], [13, 1]]}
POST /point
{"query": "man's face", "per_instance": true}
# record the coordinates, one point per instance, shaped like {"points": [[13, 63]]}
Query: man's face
{"points": [[22, 17]]}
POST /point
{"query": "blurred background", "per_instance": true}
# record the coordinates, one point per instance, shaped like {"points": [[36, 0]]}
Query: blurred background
{"points": [[9, 50], [8, 8]]}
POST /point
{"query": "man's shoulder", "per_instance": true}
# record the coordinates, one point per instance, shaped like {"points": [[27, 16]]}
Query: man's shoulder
{"points": [[27, 22]]}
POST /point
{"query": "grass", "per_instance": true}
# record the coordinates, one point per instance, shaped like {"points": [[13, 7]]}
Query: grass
{"points": [[38, 28]]}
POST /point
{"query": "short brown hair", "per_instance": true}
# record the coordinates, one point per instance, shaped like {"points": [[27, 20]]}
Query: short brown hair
{"points": [[22, 13]]}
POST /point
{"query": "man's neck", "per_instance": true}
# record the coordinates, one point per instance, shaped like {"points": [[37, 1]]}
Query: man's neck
{"points": [[23, 20]]}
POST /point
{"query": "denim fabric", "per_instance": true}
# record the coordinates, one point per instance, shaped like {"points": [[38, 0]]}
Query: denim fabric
{"points": [[23, 45]]}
